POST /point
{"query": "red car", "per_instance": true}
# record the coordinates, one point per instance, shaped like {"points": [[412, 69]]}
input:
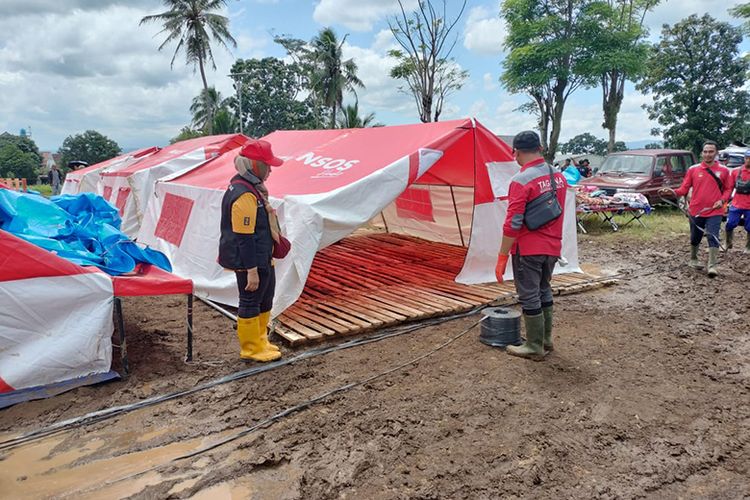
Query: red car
{"points": [[642, 171]]}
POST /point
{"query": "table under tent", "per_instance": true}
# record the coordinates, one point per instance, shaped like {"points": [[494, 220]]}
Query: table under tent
{"points": [[430, 199]]}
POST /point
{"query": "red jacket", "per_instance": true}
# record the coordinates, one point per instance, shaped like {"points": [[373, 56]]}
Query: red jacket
{"points": [[741, 201], [706, 191], [532, 181]]}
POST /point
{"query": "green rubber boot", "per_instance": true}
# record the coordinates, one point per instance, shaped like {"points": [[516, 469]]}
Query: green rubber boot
{"points": [[730, 240], [713, 258], [533, 347], [547, 312], [694, 262]]}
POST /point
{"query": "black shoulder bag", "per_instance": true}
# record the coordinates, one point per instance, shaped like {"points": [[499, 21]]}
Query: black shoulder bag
{"points": [[716, 178], [544, 208]]}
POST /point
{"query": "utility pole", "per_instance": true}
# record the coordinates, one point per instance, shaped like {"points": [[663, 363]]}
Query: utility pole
{"points": [[238, 86]]}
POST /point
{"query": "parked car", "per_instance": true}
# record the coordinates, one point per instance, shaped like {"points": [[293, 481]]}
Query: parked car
{"points": [[642, 171], [732, 156]]}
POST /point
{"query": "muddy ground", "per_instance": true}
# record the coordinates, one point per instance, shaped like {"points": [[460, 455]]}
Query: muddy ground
{"points": [[646, 396]]}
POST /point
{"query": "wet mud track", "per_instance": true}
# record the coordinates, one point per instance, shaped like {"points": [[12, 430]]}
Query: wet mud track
{"points": [[646, 396]]}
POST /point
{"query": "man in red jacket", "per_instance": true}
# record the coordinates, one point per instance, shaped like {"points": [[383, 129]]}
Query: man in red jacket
{"points": [[740, 181], [534, 237], [711, 187]]}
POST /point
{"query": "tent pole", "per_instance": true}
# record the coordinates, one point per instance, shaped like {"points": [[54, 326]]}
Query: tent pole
{"points": [[458, 221], [382, 216]]}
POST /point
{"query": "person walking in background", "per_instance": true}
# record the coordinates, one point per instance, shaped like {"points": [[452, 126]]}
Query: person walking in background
{"points": [[55, 179], [711, 187], [739, 180], [246, 246], [532, 232]]}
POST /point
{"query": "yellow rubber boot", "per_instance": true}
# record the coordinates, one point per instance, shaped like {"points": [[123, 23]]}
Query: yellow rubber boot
{"points": [[251, 345], [265, 318]]}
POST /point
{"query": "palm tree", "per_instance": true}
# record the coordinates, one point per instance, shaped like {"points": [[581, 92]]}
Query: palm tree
{"points": [[204, 108], [332, 76], [350, 118], [192, 23]]}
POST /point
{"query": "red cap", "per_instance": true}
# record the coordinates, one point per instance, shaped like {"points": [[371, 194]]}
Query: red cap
{"points": [[260, 150]]}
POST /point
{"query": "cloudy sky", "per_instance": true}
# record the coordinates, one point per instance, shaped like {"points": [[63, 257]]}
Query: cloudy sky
{"points": [[68, 66]]}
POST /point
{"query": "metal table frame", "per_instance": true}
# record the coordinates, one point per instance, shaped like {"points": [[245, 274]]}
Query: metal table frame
{"points": [[607, 213]]}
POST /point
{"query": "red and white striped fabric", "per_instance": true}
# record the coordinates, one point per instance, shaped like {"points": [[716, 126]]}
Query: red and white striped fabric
{"points": [[131, 187], [86, 180], [445, 181], [55, 320]]}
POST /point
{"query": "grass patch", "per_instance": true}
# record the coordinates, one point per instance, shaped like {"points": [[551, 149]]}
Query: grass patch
{"points": [[44, 189], [662, 221]]}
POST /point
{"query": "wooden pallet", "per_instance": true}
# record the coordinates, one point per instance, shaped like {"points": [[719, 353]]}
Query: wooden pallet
{"points": [[367, 282]]}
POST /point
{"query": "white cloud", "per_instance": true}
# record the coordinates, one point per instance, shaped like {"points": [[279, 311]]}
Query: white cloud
{"points": [[490, 82], [485, 31], [97, 69], [357, 15], [673, 11], [381, 93]]}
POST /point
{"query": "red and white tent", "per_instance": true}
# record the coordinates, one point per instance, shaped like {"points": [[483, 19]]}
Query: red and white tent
{"points": [[87, 179], [55, 320], [444, 181], [138, 178]]}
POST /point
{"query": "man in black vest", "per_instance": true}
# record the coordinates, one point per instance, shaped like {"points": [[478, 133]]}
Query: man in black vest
{"points": [[246, 247]]}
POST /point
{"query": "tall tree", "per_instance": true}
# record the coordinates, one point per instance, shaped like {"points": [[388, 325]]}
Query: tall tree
{"points": [[193, 23], [332, 75], [90, 146], [274, 96], [696, 76], [14, 162], [24, 143], [621, 56], [204, 108], [551, 52], [350, 118], [427, 38]]}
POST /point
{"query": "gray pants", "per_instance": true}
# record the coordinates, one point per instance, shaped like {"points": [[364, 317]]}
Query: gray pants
{"points": [[532, 275]]}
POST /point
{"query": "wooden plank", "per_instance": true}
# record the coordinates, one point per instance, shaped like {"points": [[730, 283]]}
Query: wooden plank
{"points": [[370, 311], [332, 324], [311, 322], [350, 318], [298, 327], [289, 335]]}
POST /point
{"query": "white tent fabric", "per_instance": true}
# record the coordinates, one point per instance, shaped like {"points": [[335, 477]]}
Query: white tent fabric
{"points": [[56, 319]]}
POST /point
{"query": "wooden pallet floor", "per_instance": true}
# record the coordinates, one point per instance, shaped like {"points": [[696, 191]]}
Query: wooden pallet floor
{"points": [[368, 282]]}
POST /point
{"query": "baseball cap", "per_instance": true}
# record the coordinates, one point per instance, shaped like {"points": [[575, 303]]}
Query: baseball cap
{"points": [[260, 150], [527, 140]]}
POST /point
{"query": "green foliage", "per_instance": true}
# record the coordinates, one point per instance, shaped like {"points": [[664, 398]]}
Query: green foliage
{"points": [[350, 118], [423, 62], [553, 48], [323, 72], [654, 145], [185, 134], [275, 96], [225, 122], [192, 24], [205, 105], [90, 146], [588, 144], [742, 11], [43, 189], [25, 144], [696, 76], [620, 55], [14, 162]]}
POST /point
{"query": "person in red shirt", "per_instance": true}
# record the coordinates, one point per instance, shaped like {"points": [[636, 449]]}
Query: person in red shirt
{"points": [[739, 180], [711, 188], [535, 251]]}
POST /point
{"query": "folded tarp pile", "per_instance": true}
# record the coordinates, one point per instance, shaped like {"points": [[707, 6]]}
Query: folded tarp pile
{"points": [[83, 229]]}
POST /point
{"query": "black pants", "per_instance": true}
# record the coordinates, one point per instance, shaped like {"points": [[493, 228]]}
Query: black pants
{"points": [[261, 300], [532, 275], [711, 226]]}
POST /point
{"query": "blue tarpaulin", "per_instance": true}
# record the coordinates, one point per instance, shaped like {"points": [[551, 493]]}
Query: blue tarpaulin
{"points": [[82, 228]]}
